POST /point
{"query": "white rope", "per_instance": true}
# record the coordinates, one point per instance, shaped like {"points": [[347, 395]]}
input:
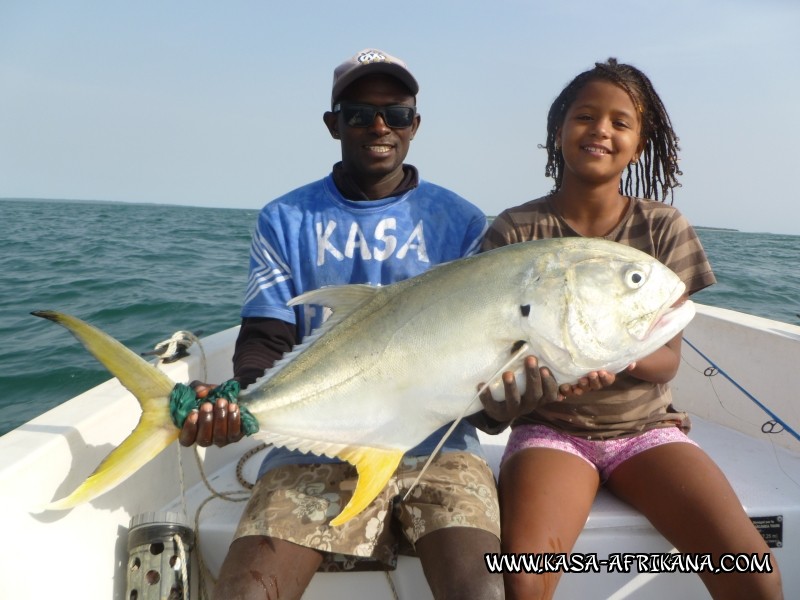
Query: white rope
{"points": [[514, 357], [184, 567], [171, 347], [233, 496], [180, 340], [392, 589]]}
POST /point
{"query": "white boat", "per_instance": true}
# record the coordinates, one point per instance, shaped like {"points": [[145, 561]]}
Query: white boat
{"points": [[732, 362]]}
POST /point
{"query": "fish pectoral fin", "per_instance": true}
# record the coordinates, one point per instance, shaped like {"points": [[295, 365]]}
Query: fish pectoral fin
{"points": [[152, 434], [375, 466]]}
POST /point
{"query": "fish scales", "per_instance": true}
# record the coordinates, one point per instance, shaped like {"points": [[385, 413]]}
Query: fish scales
{"points": [[408, 353]]}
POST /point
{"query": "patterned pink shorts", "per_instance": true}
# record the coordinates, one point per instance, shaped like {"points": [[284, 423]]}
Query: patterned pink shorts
{"points": [[603, 455]]}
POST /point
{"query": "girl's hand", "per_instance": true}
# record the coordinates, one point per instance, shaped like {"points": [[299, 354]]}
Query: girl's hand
{"points": [[540, 387], [596, 380]]}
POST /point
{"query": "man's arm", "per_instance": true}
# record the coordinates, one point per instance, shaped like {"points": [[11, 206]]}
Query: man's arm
{"points": [[261, 343]]}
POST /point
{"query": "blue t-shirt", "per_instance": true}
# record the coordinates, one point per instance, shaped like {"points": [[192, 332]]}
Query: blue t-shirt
{"points": [[314, 237]]}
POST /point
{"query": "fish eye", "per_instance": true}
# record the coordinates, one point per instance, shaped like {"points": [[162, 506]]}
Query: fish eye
{"points": [[635, 278]]}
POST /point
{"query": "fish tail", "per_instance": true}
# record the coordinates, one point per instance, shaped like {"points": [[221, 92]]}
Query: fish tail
{"points": [[146, 441], [375, 467], [149, 385]]}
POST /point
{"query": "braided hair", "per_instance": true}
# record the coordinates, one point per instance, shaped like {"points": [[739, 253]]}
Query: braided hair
{"points": [[654, 175]]}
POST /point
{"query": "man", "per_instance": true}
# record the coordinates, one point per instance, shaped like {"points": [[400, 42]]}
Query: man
{"points": [[374, 221]]}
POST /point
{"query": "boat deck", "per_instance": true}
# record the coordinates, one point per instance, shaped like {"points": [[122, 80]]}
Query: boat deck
{"points": [[764, 475], [51, 455]]}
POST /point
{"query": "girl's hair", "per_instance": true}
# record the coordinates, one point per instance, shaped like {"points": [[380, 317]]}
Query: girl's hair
{"points": [[654, 175]]}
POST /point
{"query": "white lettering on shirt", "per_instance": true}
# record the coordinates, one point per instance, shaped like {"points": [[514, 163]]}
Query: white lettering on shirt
{"points": [[356, 239], [380, 246], [389, 241], [416, 241], [324, 243]]}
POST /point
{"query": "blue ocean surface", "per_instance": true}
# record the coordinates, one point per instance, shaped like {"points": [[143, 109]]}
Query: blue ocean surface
{"points": [[141, 272]]}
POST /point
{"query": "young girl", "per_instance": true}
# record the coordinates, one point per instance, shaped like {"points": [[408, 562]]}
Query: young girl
{"points": [[609, 140]]}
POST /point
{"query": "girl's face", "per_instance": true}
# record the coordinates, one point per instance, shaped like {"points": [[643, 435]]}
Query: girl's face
{"points": [[601, 133]]}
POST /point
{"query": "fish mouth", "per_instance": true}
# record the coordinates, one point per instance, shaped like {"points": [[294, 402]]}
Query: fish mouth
{"points": [[682, 313], [671, 312]]}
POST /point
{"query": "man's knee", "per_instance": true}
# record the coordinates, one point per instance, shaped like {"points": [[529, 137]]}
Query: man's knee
{"points": [[246, 587], [258, 567], [453, 561], [473, 586]]}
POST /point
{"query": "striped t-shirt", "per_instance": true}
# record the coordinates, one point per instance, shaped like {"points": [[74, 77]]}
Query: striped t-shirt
{"points": [[630, 405]]}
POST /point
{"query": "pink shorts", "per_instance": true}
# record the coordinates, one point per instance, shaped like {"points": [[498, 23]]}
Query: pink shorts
{"points": [[603, 455]]}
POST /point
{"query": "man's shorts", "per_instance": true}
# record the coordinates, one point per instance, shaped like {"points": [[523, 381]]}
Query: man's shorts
{"points": [[296, 503], [603, 455]]}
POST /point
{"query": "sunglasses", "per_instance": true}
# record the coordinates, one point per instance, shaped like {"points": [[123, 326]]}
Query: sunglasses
{"points": [[363, 115]]}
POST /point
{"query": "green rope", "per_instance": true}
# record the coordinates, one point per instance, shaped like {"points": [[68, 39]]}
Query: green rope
{"points": [[183, 400]]}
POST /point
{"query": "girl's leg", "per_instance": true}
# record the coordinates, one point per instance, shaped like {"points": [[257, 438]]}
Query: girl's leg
{"points": [[545, 498], [689, 500]]}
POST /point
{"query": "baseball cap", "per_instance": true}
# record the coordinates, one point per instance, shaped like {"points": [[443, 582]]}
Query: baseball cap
{"points": [[370, 61]]}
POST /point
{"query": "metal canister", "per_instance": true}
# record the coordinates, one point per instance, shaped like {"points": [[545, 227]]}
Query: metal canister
{"points": [[159, 556]]}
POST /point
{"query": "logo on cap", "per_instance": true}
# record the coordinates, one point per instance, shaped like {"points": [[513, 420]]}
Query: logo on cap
{"points": [[371, 56]]}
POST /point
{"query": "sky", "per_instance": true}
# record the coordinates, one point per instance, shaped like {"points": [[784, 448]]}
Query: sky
{"points": [[220, 103]]}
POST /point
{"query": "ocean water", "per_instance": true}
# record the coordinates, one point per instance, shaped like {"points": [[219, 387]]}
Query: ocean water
{"points": [[142, 272]]}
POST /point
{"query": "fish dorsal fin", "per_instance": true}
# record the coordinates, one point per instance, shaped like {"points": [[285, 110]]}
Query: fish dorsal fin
{"points": [[514, 357], [341, 299]]}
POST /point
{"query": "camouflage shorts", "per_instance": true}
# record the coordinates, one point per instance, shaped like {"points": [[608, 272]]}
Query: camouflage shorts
{"points": [[296, 503]]}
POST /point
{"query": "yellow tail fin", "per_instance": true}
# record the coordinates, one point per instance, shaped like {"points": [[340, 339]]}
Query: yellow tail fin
{"points": [[375, 467], [152, 434]]}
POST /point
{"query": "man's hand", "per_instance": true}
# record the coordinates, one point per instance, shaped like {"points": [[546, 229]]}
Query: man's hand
{"points": [[219, 423]]}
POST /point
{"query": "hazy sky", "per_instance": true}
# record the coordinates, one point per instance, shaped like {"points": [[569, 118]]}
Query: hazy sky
{"points": [[220, 103]]}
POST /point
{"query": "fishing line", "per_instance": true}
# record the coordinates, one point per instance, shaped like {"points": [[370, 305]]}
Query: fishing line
{"points": [[516, 356], [768, 427], [719, 369], [709, 373]]}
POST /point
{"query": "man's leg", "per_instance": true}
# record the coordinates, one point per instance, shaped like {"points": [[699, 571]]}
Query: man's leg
{"points": [[453, 562], [453, 519], [263, 568], [284, 534]]}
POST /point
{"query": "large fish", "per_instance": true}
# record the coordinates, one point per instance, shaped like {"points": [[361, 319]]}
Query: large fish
{"points": [[395, 363]]}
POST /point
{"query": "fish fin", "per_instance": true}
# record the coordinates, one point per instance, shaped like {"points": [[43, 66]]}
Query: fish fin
{"points": [[375, 466], [152, 388], [339, 298], [149, 438], [140, 377]]}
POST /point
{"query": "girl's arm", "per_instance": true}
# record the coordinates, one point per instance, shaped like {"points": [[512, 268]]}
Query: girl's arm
{"points": [[660, 367]]}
